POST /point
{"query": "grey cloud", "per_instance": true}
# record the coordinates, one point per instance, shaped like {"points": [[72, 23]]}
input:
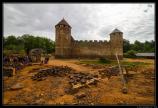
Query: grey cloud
{"points": [[40, 19]]}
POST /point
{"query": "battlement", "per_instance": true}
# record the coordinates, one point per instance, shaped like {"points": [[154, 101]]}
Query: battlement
{"points": [[92, 41]]}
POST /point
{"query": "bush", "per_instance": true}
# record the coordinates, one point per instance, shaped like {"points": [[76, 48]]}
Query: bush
{"points": [[104, 60], [10, 52], [130, 54]]}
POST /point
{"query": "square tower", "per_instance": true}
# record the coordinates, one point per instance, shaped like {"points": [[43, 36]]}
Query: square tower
{"points": [[116, 43], [63, 39]]}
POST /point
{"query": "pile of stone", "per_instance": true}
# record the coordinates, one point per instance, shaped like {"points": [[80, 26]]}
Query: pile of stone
{"points": [[8, 72], [78, 80], [108, 72], [53, 71], [17, 65]]}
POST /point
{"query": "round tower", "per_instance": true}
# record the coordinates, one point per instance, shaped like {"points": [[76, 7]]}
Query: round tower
{"points": [[63, 39], [116, 43]]}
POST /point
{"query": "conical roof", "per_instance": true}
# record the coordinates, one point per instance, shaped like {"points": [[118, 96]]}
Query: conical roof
{"points": [[116, 31], [63, 22]]}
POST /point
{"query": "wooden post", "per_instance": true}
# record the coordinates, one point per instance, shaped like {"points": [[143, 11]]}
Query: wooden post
{"points": [[124, 90], [14, 71]]}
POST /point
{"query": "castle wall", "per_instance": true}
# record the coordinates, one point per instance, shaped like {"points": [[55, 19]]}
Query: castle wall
{"points": [[90, 49], [67, 47]]}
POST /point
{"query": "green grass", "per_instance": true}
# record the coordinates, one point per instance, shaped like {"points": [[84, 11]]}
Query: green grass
{"points": [[109, 62], [89, 62], [99, 62], [133, 64]]}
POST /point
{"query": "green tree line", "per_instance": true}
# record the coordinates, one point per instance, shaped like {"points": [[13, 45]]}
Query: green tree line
{"points": [[130, 50], [137, 46], [27, 42]]}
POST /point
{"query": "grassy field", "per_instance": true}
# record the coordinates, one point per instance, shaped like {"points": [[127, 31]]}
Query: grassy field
{"points": [[123, 62]]}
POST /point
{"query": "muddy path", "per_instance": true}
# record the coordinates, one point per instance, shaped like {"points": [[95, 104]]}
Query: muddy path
{"points": [[70, 63]]}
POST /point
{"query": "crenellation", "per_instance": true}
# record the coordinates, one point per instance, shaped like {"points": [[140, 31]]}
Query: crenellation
{"points": [[86, 41], [95, 41], [80, 41], [105, 41]]}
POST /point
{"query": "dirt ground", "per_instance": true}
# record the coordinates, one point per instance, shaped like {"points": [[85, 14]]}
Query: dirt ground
{"points": [[141, 87]]}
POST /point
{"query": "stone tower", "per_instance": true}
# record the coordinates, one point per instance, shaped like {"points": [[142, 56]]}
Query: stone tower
{"points": [[116, 43], [63, 39]]}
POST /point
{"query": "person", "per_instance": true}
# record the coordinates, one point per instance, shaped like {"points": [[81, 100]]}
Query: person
{"points": [[30, 60], [14, 71], [41, 62], [23, 60], [27, 60], [5, 60], [46, 59], [79, 59], [15, 60]]}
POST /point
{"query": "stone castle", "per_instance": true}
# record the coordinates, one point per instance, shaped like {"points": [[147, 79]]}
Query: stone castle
{"points": [[67, 47]]}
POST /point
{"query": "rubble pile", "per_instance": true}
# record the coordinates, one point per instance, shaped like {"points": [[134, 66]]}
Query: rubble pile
{"points": [[78, 80], [53, 71], [7, 72], [148, 73], [112, 71]]}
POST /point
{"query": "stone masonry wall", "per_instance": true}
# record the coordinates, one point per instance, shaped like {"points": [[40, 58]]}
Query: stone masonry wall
{"points": [[90, 49]]}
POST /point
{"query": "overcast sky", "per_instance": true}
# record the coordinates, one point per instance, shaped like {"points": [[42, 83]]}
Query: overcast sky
{"points": [[88, 21]]}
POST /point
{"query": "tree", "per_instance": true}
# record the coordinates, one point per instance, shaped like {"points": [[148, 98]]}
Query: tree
{"points": [[137, 46], [11, 40], [49, 45], [12, 43], [130, 54], [27, 42], [152, 46], [149, 46], [3, 40], [126, 45], [141, 47], [31, 42]]}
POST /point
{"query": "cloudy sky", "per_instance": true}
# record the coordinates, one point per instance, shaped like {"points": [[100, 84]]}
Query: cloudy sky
{"points": [[88, 21]]}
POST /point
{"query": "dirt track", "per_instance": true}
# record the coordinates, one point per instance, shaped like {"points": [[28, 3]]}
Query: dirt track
{"points": [[70, 63], [52, 90]]}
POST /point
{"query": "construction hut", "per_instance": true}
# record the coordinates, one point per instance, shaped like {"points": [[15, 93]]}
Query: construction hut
{"points": [[35, 54], [145, 55]]}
